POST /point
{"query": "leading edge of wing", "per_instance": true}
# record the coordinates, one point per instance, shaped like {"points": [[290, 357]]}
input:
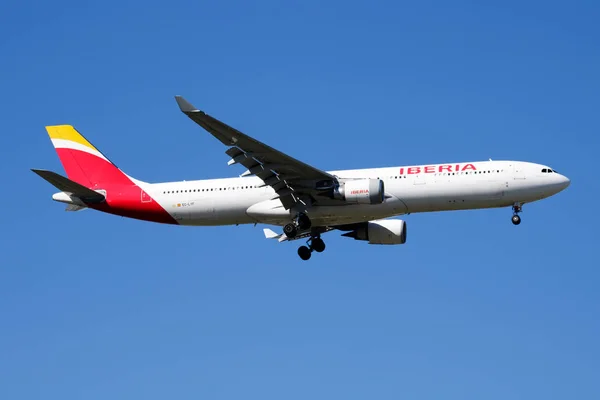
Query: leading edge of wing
{"points": [[230, 136], [226, 134]]}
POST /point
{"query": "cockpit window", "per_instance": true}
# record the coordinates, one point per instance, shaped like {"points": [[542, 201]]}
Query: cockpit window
{"points": [[545, 170]]}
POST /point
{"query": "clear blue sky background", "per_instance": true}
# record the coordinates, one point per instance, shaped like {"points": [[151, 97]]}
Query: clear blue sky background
{"points": [[94, 306]]}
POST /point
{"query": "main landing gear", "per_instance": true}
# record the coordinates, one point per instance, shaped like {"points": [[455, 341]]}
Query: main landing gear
{"points": [[315, 243], [517, 208], [302, 223]]}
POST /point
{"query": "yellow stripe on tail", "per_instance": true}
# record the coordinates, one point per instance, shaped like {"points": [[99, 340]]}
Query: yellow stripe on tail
{"points": [[67, 132]]}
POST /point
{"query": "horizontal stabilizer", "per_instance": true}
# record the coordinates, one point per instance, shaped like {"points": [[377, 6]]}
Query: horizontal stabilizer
{"points": [[74, 207], [68, 186]]}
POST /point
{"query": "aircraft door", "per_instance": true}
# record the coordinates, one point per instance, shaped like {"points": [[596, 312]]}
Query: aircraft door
{"points": [[519, 172], [145, 197]]}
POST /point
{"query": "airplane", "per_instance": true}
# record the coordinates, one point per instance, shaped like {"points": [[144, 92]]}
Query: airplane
{"points": [[282, 191]]}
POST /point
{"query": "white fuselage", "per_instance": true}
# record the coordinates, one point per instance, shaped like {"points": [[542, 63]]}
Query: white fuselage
{"points": [[409, 189]]}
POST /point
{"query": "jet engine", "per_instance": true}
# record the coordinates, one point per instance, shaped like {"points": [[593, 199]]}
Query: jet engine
{"points": [[361, 191], [385, 231]]}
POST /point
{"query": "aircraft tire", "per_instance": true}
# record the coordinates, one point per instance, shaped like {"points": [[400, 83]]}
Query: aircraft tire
{"points": [[516, 220], [304, 253], [290, 230], [317, 245]]}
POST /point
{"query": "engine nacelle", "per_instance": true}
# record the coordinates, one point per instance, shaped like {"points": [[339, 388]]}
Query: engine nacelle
{"points": [[361, 191], [384, 231]]}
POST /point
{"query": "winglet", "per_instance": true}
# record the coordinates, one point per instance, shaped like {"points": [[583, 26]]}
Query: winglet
{"points": [[184, 105], [269, 234]]}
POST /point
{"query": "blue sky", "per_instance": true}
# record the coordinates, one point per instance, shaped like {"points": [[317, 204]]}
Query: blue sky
{"points": [[95, 306]]}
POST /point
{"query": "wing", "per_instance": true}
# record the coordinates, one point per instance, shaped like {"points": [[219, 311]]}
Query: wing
{"points": [[293, 181]]}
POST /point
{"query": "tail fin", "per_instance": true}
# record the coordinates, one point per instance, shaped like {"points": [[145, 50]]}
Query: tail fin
{"points": [[83, 162]]}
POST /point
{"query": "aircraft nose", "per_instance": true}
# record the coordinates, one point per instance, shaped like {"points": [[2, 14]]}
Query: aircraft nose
{"points": [[564, 182]]}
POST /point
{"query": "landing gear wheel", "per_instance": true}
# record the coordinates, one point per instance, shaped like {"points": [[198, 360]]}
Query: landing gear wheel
{"points": [[517, 208], [290, 230], [317, 245], [304, 222], [304, 252]]}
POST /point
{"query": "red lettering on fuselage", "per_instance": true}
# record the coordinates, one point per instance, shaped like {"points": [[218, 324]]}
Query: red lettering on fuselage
{"points": [[431, 169]]}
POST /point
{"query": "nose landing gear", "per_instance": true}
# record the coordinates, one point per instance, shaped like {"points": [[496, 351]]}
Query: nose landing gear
{"points": [[517, 208], [315, 243]]}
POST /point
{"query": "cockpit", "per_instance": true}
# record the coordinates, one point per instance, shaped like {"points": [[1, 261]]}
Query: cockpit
{"points": [[548, 171]]}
